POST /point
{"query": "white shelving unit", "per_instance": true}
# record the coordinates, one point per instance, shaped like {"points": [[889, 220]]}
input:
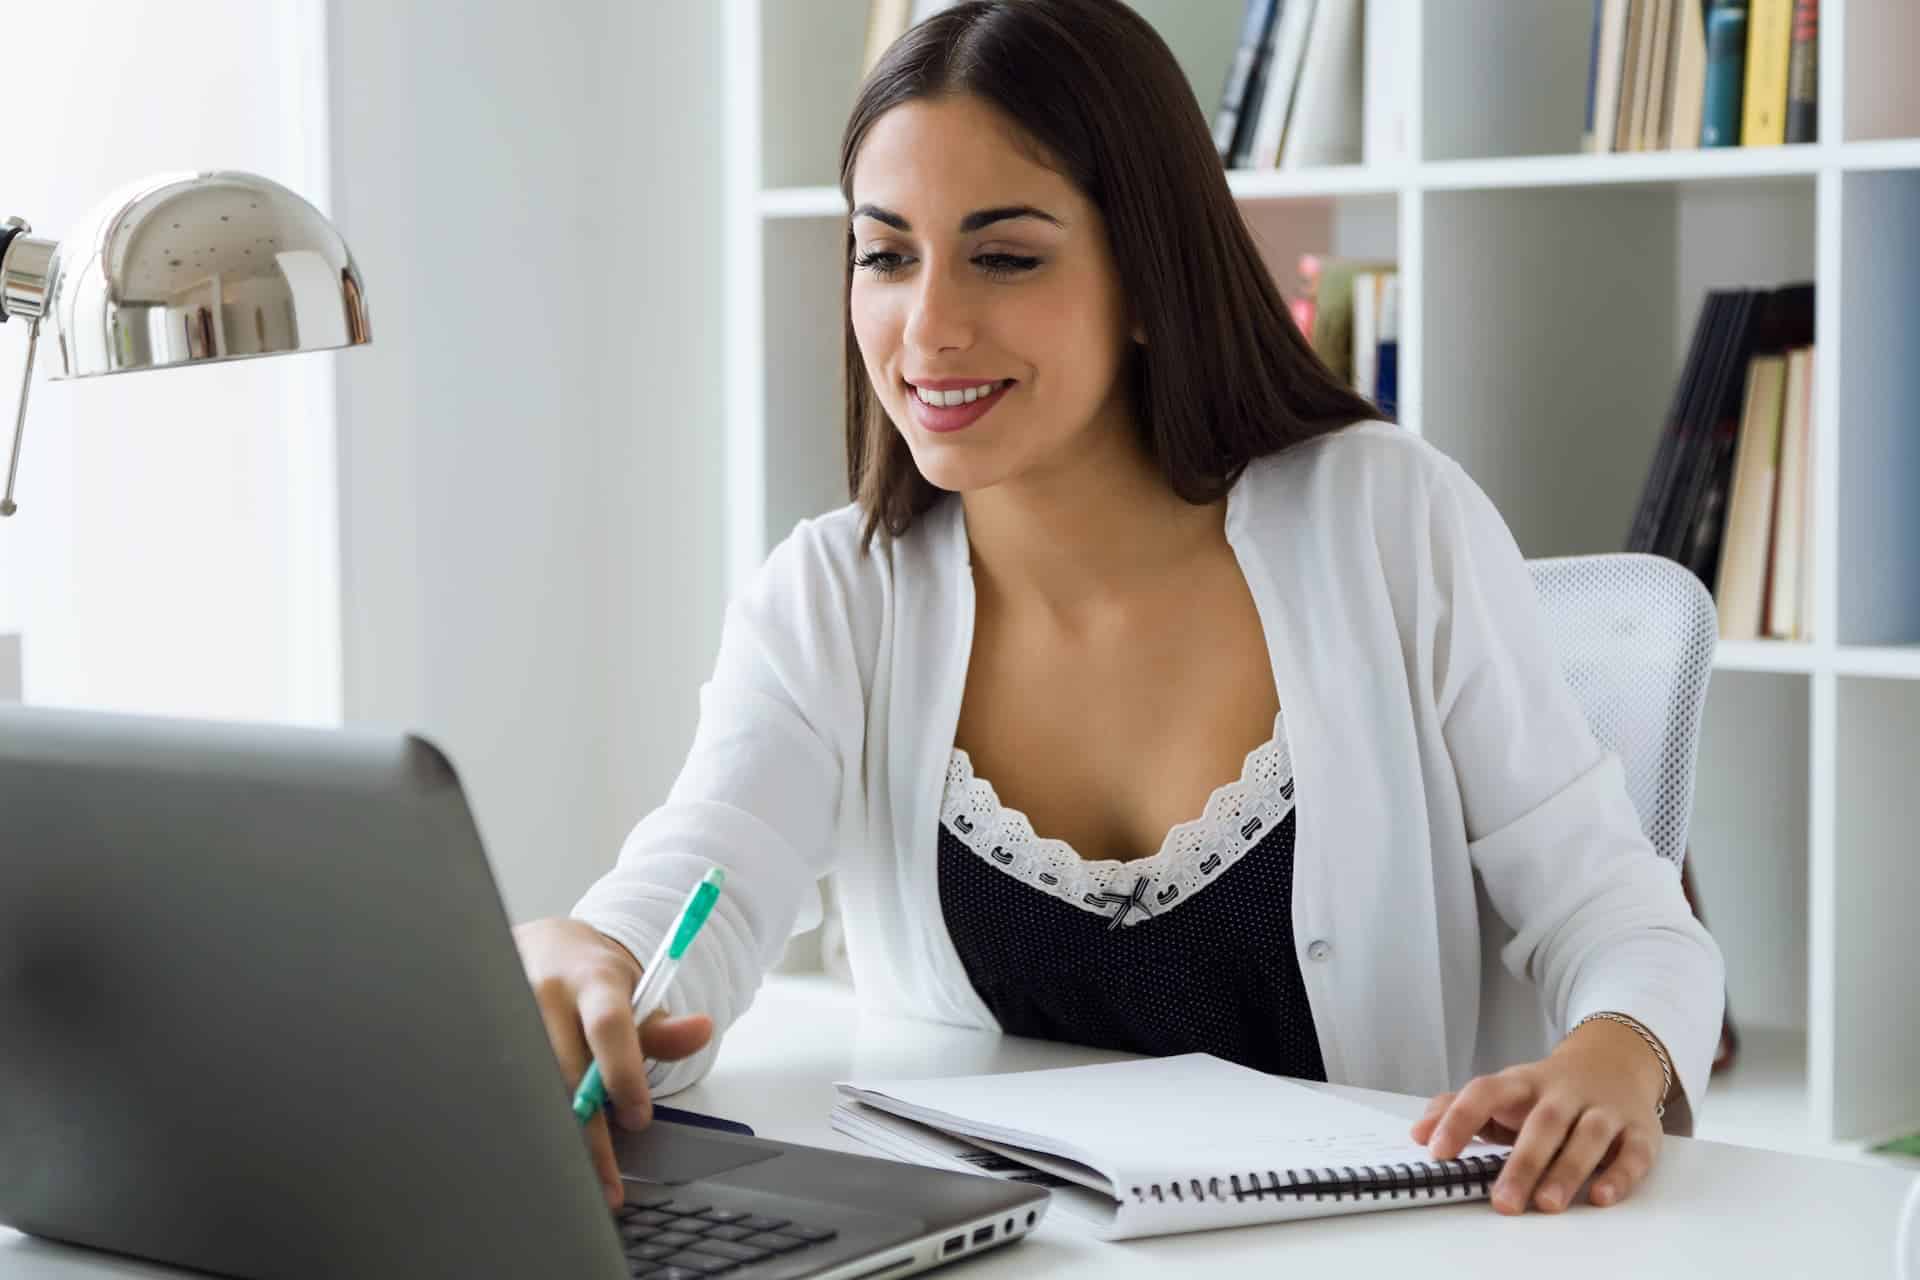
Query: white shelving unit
{"points": [[1547, 300]]}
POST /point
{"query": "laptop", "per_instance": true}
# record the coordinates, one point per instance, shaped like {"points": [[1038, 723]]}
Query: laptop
{"points": [[261, 1014]]}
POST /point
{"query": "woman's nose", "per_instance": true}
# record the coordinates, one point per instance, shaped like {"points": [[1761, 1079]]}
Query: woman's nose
{"points": [[938, 318]]}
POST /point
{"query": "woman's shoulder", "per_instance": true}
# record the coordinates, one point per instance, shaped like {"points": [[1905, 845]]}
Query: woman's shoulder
{"points": [[822, 564], [1369, 466]]}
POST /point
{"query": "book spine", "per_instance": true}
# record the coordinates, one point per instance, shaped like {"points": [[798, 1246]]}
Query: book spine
{"points": [[1763, 120], [1233, 94], [1241, 155], [1726, 73], [1587, 137], [1803, 74]]}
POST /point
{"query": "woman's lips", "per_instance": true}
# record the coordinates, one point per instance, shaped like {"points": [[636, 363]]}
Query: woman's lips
{"points": [[944, 418]]}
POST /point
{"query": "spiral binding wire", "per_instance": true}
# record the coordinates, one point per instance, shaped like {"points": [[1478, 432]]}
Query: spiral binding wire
{"points": [[1381, 1182]]}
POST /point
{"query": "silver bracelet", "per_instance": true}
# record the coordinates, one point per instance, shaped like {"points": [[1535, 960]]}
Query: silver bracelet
{"points": [[1666, 1068]]}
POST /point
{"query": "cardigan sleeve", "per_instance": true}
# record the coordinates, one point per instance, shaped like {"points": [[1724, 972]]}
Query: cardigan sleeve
{"points": [[1600, 920], [781, 722]]}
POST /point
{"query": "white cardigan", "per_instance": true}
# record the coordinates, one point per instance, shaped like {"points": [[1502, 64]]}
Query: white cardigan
{"points": [[1457, 814]]}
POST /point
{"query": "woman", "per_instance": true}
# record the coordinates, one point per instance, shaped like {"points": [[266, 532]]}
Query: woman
{"points": [[1123, 552]]}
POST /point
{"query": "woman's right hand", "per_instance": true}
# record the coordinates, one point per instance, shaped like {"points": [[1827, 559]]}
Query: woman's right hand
{"points": [[584, 981]]}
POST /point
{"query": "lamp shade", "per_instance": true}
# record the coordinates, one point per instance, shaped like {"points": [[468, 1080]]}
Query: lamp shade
{"points": [[194, 268]]}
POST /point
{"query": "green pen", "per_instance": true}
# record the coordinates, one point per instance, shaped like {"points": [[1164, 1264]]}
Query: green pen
{"points": [[592, 1094]]}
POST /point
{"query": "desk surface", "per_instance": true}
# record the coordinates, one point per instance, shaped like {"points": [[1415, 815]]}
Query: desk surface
{"points": [[1709, 1208]]}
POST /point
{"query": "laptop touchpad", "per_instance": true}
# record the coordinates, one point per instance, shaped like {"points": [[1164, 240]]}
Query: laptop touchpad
{"points": [[675, 1153]]}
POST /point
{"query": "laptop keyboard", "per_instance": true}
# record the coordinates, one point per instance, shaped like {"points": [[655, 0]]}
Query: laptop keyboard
{"points": [[669, 1239]]}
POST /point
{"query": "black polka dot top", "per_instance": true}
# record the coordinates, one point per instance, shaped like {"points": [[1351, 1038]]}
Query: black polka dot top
{"points": [[1188, 951]]}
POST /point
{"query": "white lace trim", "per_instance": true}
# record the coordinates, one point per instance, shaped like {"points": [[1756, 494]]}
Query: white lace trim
{"points": [[1194, 853]]}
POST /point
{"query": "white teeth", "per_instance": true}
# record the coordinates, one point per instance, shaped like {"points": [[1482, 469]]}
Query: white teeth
{"points": [[949, 399]]}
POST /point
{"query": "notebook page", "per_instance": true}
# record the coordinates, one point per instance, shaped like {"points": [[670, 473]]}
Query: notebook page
{"points": [[1154, 1119]]}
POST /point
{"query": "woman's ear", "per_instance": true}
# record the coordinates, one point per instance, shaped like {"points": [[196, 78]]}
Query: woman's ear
{"points": [[1140, 334]]}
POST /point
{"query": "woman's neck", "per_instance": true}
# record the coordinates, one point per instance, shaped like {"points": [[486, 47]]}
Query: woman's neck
{"points": [[1077, 539]]}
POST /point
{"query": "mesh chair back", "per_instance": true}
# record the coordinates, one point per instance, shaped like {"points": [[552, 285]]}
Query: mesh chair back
{"points": [[1635, 635]]}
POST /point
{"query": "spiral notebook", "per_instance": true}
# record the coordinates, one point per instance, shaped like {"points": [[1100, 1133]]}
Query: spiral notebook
{"points": [[1161, 1145]]}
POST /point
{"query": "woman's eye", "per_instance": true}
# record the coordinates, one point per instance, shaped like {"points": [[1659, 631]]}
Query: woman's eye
{"points": [[1006, 264], [880, 262]]}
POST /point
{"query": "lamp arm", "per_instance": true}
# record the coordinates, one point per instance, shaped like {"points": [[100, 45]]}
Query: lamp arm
{"points": [[7, 506], [25, 273]]}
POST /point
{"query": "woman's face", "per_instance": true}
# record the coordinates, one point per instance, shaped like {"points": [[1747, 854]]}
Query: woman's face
{"points": [[980, 271]]}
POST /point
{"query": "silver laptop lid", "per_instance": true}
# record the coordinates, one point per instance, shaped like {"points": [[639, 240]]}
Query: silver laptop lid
{"points": [[261, 1013]]}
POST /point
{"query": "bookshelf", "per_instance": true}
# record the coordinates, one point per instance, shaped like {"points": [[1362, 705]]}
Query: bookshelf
{"points": [[1547, 300]]}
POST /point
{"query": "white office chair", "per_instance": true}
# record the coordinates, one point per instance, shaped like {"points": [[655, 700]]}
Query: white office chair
{"points": [[1635, 635]]}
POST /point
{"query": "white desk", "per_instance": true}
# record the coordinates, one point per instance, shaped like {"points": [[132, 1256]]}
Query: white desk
{"points": [[1708, 1209]]}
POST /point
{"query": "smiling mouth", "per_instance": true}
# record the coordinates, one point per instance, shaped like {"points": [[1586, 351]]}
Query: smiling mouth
{"points": [[944, 417], [958, 396]]}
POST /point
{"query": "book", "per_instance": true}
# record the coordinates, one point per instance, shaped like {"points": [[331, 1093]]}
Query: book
{"points": [[1283, 73], [1643, 533], [1254, 22], [1386, 374], [1726, 73], [1680, 495], [1383, 118], [1742, 572], [1609, 58], [1366, 330], [1633, 84], [1324, 124], [1763, 120], [1689, 76], [1241, 1147], [1784, 618], [1653, 128], [1779, 319], [1593, 68], [1251, 110], [1332, 332], [887, 21], [1803, 74]]}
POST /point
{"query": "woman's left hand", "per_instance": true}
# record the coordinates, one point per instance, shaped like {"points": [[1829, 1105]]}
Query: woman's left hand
{"points": [[1589, 1104]]}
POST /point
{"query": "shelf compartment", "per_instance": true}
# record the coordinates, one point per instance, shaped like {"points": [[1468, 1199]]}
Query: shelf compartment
{"points": [[1555, 324], [1878, 582], [1876, 875], [1747, 842], [1882, 94]]}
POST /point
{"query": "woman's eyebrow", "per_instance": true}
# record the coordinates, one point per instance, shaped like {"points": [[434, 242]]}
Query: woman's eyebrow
{"points": [[972, 222]]}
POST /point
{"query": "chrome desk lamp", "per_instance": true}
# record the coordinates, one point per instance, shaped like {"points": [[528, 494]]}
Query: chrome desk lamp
{"points": [[181, 269]]}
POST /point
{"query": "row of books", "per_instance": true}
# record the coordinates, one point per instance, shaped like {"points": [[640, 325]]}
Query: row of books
{"points": [[1730, 490], [1678, 74], [1311, 82], [1314, 82], [1349, 310]]}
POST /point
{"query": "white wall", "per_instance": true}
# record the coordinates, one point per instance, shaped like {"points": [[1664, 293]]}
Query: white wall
{"points": [[531, 448], [174, 549]]}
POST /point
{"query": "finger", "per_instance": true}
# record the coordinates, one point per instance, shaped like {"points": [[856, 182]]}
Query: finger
{"points": [[1436, 1107], [1541, 1137], [605, 1166], [563, 1033], [607, 1018], [1628, 1167], [1475, 1105], [667, 1039], [1592, 1134]]}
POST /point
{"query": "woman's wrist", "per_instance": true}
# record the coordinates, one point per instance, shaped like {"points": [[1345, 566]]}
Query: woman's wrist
{"points": [[1637, 1045]]}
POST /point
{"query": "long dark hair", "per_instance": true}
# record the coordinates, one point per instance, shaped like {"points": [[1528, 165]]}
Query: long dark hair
{"points": [[1225, 376]]}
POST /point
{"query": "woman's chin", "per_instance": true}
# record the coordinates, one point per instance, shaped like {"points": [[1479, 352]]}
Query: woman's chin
{"points": [[944, 471]]}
